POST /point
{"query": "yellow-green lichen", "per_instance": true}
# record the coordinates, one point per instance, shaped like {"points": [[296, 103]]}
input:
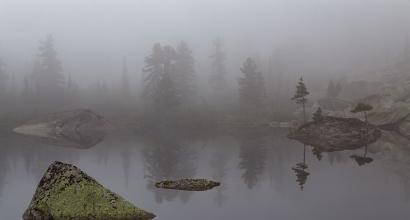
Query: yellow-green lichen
{"points": [[72, 194]]}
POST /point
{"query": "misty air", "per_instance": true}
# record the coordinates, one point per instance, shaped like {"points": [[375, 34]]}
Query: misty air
{"points": [[204, 109]]}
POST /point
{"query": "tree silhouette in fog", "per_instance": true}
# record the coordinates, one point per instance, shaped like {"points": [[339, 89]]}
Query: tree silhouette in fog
{"points": [[217, 79], [333, 90], [125, 83], [3, 79], [165, 158], [300, 96], [160, 86], [48, 77], [252, 155], [251, 90], [185, 72]]}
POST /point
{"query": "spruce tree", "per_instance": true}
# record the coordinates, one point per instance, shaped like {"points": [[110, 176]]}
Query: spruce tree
{"points": [[317, 116], [333, 90], [218, 76], [300, 96], [362, 107], [49, 77], [185, 73], [330, 89], [125, 84], [154, 69], [160, 88], [3, 79], [251, 89]]}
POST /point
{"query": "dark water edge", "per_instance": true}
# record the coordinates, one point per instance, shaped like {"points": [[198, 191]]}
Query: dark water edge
{"points": [[255, 170]]}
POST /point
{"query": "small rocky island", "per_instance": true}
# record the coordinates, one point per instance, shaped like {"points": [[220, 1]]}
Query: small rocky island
{"points": [[65, 192], [334, 133], [188, 184], [79, 128]]}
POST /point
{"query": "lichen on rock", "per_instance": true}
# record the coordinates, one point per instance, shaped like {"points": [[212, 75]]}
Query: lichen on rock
{"points": [[65, 192], [187, 184]]}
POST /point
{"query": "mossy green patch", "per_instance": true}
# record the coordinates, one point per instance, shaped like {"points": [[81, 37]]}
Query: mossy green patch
{"points": [[65, 192]]}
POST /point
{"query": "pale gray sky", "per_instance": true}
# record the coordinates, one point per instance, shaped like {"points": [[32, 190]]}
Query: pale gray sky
{"points": [[92, 36]]}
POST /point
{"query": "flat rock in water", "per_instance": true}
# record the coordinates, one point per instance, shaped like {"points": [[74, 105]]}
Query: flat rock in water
{"points": [[187, 184], [333, 134], [80, 128], [65, 192]]}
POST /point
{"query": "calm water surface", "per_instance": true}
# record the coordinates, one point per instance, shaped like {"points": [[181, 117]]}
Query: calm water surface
{"points": [[256, 174]]}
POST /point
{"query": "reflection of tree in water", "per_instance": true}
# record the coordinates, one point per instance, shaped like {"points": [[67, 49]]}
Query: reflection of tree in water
{"points": [[37, 156], [362, 160], [218, 164], [126, 163], [253, 155], [334, 156], [317, 152], [166, 158], [4, 167], [299, 169]]}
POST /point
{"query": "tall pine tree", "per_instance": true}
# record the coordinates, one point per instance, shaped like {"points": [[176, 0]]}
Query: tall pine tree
{"points": [[153, 70], [160, 87], [185, 73], [218, 76], [3, 79], [125, 84], [251, 90], [300, 96], [49, 78]]}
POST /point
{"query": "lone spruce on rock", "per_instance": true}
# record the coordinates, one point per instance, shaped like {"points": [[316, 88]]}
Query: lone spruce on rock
{"points": [[65, 192]]}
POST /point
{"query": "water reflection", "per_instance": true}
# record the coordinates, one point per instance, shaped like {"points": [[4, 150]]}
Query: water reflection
{"points": [[252, 155], [84, 140], [248, 161], [218, 164], [362, 160], [300, 170], [167, 157]]}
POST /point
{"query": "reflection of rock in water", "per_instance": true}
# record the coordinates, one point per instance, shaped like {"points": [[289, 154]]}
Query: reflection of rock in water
{"points": [[166, 158], [77, 129]]}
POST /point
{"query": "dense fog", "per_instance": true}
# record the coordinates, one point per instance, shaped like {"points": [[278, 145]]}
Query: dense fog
{"points": [[102, 47]]}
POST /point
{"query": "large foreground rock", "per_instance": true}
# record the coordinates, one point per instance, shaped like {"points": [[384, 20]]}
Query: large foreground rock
{"points": [[80, 128], [333, 133], [65, 192]]}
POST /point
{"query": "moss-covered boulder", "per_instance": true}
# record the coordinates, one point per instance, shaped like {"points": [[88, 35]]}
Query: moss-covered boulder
{"points": [[187, 184], [334, 134], [65, 192]]}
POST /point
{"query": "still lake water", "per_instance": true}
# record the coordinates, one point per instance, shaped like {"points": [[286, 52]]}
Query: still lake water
{"points": [[256, 174]]}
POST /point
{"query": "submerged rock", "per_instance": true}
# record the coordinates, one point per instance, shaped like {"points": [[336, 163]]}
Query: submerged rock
{"points": [[188, 184], [79, 128], [333, 134], [65, 192]]}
